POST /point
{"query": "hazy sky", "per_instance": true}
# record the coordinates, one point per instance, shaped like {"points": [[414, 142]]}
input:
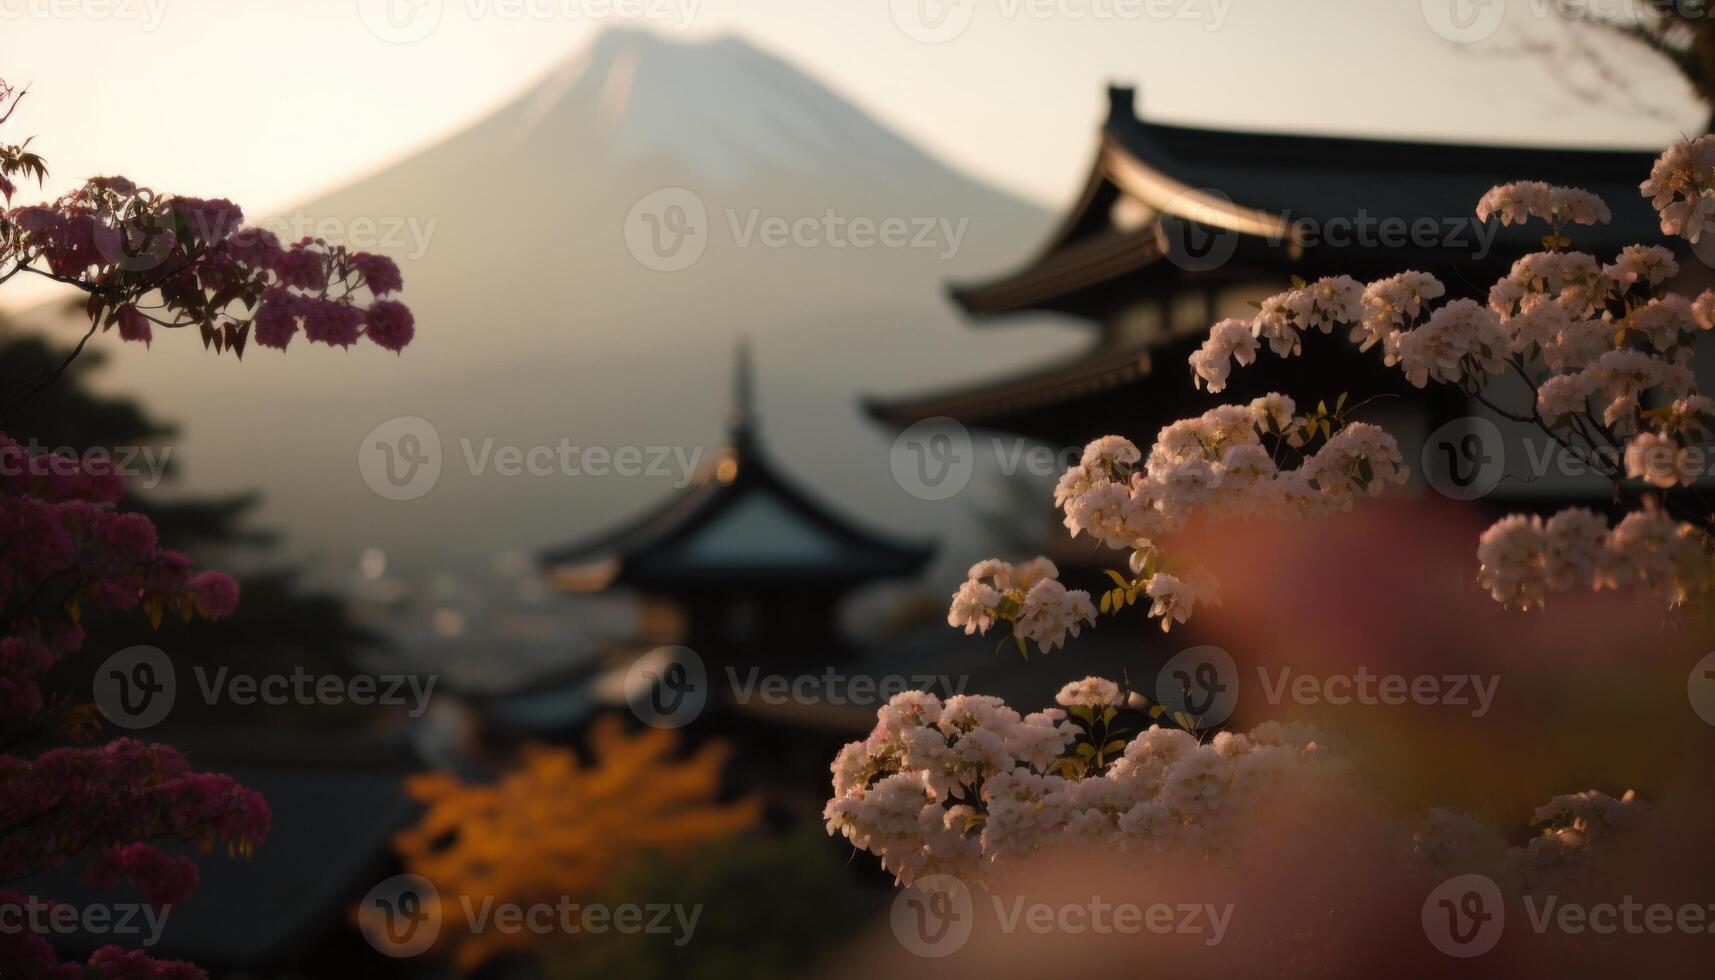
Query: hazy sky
{"points": [[265, 102]]}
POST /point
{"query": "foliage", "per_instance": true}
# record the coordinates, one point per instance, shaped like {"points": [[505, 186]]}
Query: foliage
{"points": [[141, 260], [755, 923], [554, 827], [1602, 353]]}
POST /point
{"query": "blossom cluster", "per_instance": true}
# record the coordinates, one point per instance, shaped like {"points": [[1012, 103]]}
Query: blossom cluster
{"points": [[1028, 595], [963, 786], [29, 955], [151, 260], [200, 264], [1522, 200], [1523, 557], [1220, 464], [69, 552], [1680, 186], [1605, 350], [67, 548], [1571, 826]]}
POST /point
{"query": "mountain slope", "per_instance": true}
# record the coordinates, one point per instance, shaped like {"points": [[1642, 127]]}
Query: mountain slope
{"points": [[538, 321]]}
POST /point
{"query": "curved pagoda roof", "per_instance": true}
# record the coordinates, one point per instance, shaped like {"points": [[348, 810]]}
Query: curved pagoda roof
{"points": [[742, 522], [1269, 189]]}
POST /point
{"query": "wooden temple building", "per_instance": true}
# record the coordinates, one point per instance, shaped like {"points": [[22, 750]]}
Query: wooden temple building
{"points": [[744, 566], [1177, 227]]}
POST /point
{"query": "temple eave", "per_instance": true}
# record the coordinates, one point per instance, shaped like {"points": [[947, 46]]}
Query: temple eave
{"points": [[1091, 374]]}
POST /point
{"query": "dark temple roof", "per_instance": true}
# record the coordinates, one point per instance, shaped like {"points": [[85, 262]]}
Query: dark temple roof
{"points": [[1271, 187], [741, 522]]}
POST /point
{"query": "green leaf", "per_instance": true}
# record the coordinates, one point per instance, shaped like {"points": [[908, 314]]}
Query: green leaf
{"points": [[1119, 580], [1085, 750], [1117, 745]]}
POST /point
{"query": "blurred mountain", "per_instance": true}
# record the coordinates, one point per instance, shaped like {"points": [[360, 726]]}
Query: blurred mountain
{"points": [[544, 312]]}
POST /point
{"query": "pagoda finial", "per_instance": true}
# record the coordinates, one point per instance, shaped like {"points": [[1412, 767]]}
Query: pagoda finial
{"points": [[742, 422], [1122, 103]]}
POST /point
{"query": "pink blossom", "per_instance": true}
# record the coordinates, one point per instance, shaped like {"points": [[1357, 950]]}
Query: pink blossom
{"points": [[133, 325], [331, 323], [391, 325], [216, 593], [380, 273]]}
